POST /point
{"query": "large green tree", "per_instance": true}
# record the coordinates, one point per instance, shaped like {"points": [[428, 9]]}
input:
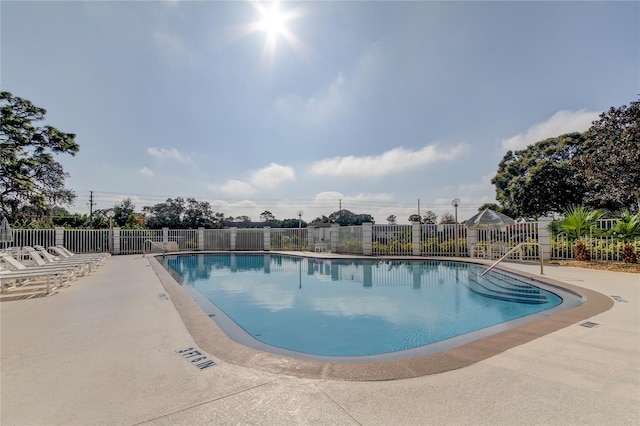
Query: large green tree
{"points": [[611, 162], [267, 216], [346, 217], [167, 214], [124, 214], [541, 178], [198, 214], [430, 218], [31, 181]]}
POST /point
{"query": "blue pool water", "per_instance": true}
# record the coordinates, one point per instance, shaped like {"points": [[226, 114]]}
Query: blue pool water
{"points": [[347, 308]]}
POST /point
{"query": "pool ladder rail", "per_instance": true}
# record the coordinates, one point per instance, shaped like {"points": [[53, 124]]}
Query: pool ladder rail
{"points": [[518, 246], [161, 246]]}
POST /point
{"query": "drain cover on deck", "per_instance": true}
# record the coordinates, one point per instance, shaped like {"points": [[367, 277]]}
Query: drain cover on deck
{"points": [[590, 324], [619, 299]]}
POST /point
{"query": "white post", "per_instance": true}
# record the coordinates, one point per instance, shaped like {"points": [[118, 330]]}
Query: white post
{"points": [[116, 240], [267, 238], [544, 237], [165, 239], [59, 236], [415, 238], [232, 238], [367, 236], [334, 237], [200, 239], [311, 243]]}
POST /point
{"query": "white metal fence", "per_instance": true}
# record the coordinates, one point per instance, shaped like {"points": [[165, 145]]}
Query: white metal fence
{"points": [[384, 240], [31, 237], [440, 240], [349, 240], [136, 240], [392, 240], [601, 247], [250, 239], [85, 240], [289, 239]]}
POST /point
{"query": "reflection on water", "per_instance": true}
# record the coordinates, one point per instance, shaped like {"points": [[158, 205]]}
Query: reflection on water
{"points": [[367, 272], [356, 307]]}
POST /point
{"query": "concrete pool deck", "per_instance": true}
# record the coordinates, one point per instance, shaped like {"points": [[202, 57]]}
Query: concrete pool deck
{"points": [[103, 351]]}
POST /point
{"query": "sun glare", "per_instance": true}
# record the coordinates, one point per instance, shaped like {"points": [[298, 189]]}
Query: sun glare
{"points": [[272, 22]]}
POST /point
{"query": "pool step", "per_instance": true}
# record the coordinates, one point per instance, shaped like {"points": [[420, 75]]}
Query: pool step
{"points": [[510, 292], [517, 287]]}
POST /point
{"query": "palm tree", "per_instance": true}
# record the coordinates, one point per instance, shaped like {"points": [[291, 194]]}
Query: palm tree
{"points": [[627, 229], [579, 220]]}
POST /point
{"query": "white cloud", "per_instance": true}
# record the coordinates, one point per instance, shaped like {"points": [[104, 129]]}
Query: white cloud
{"points": [[168, 154], [328, 102], [392, 161], [145, 171], [269, 295], [328, 195], [266, 178], [243, 207], [560, 123], [234, 188], [333, 196], [271, 176], [383, 197]]}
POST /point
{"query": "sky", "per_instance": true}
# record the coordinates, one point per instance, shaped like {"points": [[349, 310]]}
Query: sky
{"points": [[381, 108]]}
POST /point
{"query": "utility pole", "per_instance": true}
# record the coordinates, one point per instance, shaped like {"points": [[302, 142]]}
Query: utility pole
{"points": [[91, 204], [340, 204]]}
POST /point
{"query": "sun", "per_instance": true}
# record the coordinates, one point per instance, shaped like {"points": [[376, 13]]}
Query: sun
{"points": [[272, 21]]}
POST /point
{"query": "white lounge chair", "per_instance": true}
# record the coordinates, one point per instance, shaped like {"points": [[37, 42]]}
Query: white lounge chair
{"points": [[18, 278], [50, 258], [61, 251], [22, 274], [41, 258], [15, 265]]}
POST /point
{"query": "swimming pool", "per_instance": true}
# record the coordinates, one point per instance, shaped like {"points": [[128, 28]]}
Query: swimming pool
{"points": [[358, 308]]}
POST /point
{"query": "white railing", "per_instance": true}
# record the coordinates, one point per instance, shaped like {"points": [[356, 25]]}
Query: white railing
{"points": [[516, 249], [350, 240], [31, 237], [133, 241], [85, 240], [440, 240], [289, 239], [216, 239], [383, 240], [249, 239], [392, 240], [599, 248]]}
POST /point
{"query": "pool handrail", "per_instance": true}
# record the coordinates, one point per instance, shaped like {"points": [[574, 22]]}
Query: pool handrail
{"points": [[161, 246], [514, 249]]}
